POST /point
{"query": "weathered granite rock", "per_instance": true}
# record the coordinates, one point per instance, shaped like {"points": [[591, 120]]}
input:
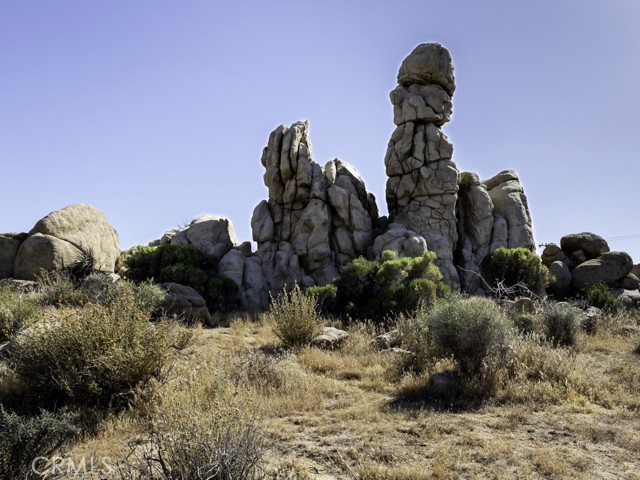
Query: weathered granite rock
{"points": [[185, 302], [561, 285], [608, 268], [629, 282], [210, 234], [474, 211], [9, 246], [406, 243], [232, 266], [315, 219], [422, 188], [330, 338], [510, 202], [386, 340], [353, 210], [553, 253], [63, 237], [636, 270], [428, 63], [590, 244]]}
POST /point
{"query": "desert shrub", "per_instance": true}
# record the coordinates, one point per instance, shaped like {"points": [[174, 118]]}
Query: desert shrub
{"points": [[514, 272], [295, 316], [23, 438], [637, 349], [57, 288], [525, 323], [17, 310], [206, 428], [378, 290], [538, 372], [562, 323], [96, 355], [414, 337], [470, 330], [185, 265], [325, 296], [601, 296]]}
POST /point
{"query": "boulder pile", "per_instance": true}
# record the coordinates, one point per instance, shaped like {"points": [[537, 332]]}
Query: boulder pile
{"points": [[584, 259]]}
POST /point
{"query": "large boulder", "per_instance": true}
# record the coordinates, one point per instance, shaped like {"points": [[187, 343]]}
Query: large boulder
{"points": [[608, 268], [428, 63], [590, 244], [212, 235], [561, 284], [186, 303], [9, 246], [510, 202], [65, 236]]}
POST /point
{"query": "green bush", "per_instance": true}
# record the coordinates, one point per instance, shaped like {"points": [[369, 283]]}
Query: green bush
{"points": [[525, 323], [325, 296], [17, 310], [562, 322], [378, 290], [96, 355], [601, 296], [295, 316], [185, 265], [514, 272], [470, 330], [22, 439]]}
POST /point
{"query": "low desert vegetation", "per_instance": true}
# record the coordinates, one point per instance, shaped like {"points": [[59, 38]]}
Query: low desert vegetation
{"points": [[601, 296], [185, 265], [295, 316], [381, 290], [17, 310], [469, 378], [513, 272]]}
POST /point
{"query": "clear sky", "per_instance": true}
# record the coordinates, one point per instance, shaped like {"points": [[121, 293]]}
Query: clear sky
{"points": [[156, 111]]}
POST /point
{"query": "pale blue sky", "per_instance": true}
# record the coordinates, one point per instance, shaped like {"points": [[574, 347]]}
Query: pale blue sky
{"points": [[157, 111]]}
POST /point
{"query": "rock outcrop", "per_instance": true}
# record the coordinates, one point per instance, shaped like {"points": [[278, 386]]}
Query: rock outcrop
{"points": [[422, 188], [315, 220], [584, 259], [457, 216], [65, 236], [210, 234]]}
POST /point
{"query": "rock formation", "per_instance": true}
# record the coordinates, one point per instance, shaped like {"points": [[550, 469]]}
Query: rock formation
{"points": [[459, 217], [584, 259], [63, 237], [422, 188], [315, 220]]}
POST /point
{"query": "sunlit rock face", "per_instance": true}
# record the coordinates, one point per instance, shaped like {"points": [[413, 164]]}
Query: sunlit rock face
{"points": [[316, 218]]}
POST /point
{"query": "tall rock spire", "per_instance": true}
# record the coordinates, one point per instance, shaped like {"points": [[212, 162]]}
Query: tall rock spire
{"points": [[422, 188]]}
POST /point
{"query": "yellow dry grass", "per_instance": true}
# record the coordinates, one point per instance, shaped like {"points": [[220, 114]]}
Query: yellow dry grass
{"points": [[336, 414]]}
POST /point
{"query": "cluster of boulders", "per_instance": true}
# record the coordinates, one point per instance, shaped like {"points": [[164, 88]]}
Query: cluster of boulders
{"points": [[585, 259], [317, 219]]}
